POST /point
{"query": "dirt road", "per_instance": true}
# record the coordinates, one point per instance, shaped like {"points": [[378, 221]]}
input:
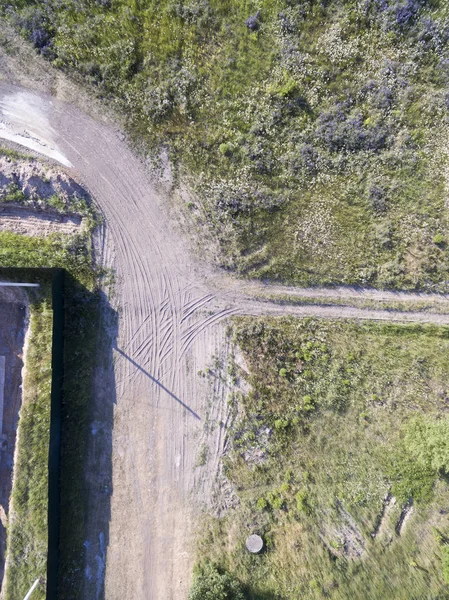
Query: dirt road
{"points": [[171, 314], [169, 329]]}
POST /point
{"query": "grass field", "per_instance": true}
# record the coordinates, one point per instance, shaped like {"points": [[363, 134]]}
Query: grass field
{"points": [[313, 134], [344, 430]]}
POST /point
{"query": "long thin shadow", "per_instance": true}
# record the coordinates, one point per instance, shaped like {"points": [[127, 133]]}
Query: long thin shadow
{"points": [[133, 362]]}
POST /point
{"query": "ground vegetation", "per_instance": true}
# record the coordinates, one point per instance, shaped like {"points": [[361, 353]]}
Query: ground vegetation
{"points": [[339, 459], [27, 540], [309, 131]]}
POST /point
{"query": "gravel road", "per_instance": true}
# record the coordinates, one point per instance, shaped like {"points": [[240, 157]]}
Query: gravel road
{"points": [[171, 323]]}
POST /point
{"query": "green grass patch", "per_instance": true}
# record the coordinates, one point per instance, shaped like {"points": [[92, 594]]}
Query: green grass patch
{"points": [[27, 540], [14, 154], [70, 252], [312, 133], [344, 429]]}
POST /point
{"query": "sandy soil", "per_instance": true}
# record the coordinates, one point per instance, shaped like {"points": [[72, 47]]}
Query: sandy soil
{"points": [[171, 311], [39, 181], [17, 112], [24, 221]]}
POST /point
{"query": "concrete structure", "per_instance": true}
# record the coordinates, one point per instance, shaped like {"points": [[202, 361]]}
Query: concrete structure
{"points": [[254, 544], [11, 284]]}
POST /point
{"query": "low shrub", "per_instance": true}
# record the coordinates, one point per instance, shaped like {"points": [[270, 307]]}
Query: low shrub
{"points": [[212, 584]]}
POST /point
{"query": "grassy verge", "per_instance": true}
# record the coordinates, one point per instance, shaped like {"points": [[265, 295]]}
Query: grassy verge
{"points": [[343, 434], [27, 528]]}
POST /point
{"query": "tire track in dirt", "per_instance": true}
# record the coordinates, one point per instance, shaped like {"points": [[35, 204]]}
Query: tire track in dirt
{"points": [[171, 323], [155, 475]]}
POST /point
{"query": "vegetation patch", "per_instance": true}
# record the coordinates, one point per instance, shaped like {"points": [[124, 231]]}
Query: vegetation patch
{"points": [[312, 133], [27, 541], [339, 457]]}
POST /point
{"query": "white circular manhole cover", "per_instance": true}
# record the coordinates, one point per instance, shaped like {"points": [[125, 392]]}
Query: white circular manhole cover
{"points": [[254, 544]]}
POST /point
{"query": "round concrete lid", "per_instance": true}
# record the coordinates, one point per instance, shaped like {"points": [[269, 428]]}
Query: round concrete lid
{"points": [[254, 544]]}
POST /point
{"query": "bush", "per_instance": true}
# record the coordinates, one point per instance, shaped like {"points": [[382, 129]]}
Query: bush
{"points": [[253, 22], [278, 502], [36, 24], [302, 504], [262, 504], [378, 198], [338, 131], [308, 404], [396, 15], [438, 239], [211, 584]]}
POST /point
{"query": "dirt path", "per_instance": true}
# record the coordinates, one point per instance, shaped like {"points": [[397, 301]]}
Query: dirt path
{"points": [[171, 314], [169, 329]]}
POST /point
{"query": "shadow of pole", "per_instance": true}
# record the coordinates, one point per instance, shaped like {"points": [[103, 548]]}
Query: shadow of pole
{"points": [[157, 382]]}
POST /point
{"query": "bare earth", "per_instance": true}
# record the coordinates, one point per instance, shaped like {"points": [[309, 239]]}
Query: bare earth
{"points": [[171, 323], [28, 222]]}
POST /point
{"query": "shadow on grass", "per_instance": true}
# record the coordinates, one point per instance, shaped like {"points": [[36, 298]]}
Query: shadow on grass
{"points": [[90, 334], [254, 595]]}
